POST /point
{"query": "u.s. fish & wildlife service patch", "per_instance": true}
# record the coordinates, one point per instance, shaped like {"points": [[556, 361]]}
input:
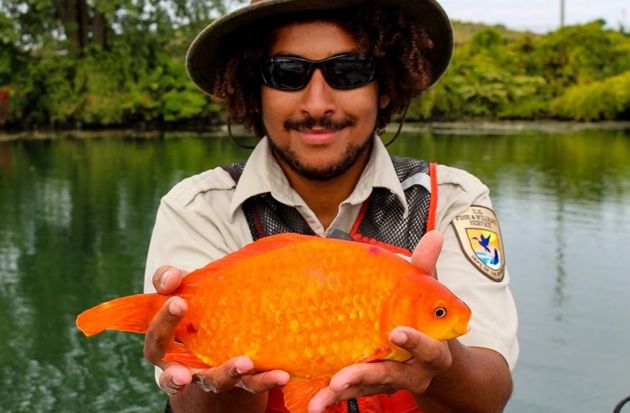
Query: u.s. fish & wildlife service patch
{"points": [[479, 236]]}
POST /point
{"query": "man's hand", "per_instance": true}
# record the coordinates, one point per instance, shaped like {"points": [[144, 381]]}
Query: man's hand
{"points": [[429, 356], [235, 373]]}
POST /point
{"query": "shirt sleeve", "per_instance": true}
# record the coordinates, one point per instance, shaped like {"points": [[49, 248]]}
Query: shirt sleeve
{"points": [[494, 320], [192, 227]]}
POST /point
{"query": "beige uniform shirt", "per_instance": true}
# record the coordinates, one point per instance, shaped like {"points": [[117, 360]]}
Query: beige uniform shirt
{"points": [[201, 219]]}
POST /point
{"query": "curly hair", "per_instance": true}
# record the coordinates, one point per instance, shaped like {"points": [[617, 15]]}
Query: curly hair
{"points": [[397, 42]]}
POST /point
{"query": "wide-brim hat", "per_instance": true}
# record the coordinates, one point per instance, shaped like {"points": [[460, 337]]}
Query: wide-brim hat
{"points": [[213, 46]]}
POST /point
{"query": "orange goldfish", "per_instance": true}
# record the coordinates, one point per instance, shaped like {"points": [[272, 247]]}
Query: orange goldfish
{"points": [[303, 304]]}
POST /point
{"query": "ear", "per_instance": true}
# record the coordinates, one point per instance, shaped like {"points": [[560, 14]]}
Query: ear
{"points": [[383, 101]]}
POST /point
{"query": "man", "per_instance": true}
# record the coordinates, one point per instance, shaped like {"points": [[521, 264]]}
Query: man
{"points": [[316, 80]]}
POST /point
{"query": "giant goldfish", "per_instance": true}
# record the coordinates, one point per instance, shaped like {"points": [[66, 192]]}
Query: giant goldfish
{"points": [[304, 304]]}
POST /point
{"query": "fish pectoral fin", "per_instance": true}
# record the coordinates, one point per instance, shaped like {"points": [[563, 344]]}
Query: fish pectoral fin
{"points": [[379, 354], [178, 353], [298, 392]]}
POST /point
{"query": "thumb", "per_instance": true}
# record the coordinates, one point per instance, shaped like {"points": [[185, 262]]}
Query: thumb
{"points": [[427, 252]]}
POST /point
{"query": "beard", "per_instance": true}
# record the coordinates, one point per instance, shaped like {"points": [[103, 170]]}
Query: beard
{"points": [[349, 157]]}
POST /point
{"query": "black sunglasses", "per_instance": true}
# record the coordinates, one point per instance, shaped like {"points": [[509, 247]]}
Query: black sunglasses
{"points": [[343, 71]]}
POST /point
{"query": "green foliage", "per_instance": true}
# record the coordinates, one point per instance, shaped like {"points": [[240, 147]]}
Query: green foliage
{"points": [[605, 99], [579, 73], [483, 82], [138, 76], [8, 51], [580, 54]]}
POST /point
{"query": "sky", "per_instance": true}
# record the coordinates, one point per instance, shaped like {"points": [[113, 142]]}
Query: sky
{"points": [[538, 15]]}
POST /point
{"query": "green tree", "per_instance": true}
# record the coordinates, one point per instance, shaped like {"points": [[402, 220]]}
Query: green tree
{"points": [[579, 54], [93, 63], [98, 62], [578, 72]]}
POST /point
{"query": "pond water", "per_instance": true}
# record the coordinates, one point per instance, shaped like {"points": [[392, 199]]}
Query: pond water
{"points": [[76, 216]]}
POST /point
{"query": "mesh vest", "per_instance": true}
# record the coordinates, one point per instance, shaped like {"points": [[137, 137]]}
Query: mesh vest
{"points": [[381, 221]]}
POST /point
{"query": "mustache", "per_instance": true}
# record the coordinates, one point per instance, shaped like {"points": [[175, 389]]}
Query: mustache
{"points": [[325, 122]]}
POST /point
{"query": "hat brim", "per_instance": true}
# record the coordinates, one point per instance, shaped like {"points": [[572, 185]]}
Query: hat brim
{"points": [[211, 47]]}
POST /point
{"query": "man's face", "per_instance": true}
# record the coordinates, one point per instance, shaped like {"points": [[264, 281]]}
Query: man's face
{"points": [[319, 132]]}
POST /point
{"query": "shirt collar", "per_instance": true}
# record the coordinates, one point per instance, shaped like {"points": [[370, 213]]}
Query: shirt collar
{"points": [[262, 174]]}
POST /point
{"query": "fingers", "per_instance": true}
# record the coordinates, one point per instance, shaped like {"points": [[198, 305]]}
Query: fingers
{"points": [[162, 329], [427, 252], [166, 279], [358, 380], [264, 381], [156, 341], [225, 376], [174, 378], [360, 374], [430, 353], [239, 372], [429, 357]]}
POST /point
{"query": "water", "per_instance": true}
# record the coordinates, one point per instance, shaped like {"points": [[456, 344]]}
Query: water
{"points": [[76, 216]]}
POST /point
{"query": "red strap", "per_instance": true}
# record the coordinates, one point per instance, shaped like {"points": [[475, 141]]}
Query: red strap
{"points": [[430, 218], [354, 233], [434, 196]]}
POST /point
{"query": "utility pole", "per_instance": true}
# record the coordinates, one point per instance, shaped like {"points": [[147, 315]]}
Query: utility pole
{"points": [[561, 13]]}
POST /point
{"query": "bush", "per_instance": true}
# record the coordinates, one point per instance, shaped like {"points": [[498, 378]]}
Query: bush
{"points": [[607, 99], [578, 72]]}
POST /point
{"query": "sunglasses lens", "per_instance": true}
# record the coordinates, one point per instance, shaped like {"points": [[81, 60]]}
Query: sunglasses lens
{"points": [[285, 73], [349, 71], [341, 72]]}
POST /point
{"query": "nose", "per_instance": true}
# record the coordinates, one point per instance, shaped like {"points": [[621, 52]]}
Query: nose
{"points": [[318, 97]]}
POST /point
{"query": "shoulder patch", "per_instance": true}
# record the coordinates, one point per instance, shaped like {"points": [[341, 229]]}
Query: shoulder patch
{"points": [[479, 236]]}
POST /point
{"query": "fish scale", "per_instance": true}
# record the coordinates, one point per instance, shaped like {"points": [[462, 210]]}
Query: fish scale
{"points": [[295, 318]]}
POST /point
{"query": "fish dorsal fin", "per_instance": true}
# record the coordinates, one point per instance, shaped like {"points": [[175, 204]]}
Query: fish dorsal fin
{"points": [[257, 248], [298, 392]]}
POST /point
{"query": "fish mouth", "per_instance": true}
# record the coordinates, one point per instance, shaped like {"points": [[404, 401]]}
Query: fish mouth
{"points": [[458, 329], [461, 328]]}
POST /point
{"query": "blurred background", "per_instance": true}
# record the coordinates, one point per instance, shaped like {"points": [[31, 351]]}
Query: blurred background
{"points": [[95, 64], [98, 120]]}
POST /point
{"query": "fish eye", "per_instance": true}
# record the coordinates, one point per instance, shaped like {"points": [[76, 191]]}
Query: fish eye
{"points": [[440, 312]]}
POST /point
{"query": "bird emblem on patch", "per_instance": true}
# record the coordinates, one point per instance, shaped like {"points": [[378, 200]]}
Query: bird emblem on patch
{"points": [[479, 236]]}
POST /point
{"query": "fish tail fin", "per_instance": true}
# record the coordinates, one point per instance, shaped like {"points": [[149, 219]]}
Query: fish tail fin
{"points": [[132, 313]]}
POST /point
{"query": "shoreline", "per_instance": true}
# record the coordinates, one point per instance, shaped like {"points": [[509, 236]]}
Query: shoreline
{"points": [[465, 127]]}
